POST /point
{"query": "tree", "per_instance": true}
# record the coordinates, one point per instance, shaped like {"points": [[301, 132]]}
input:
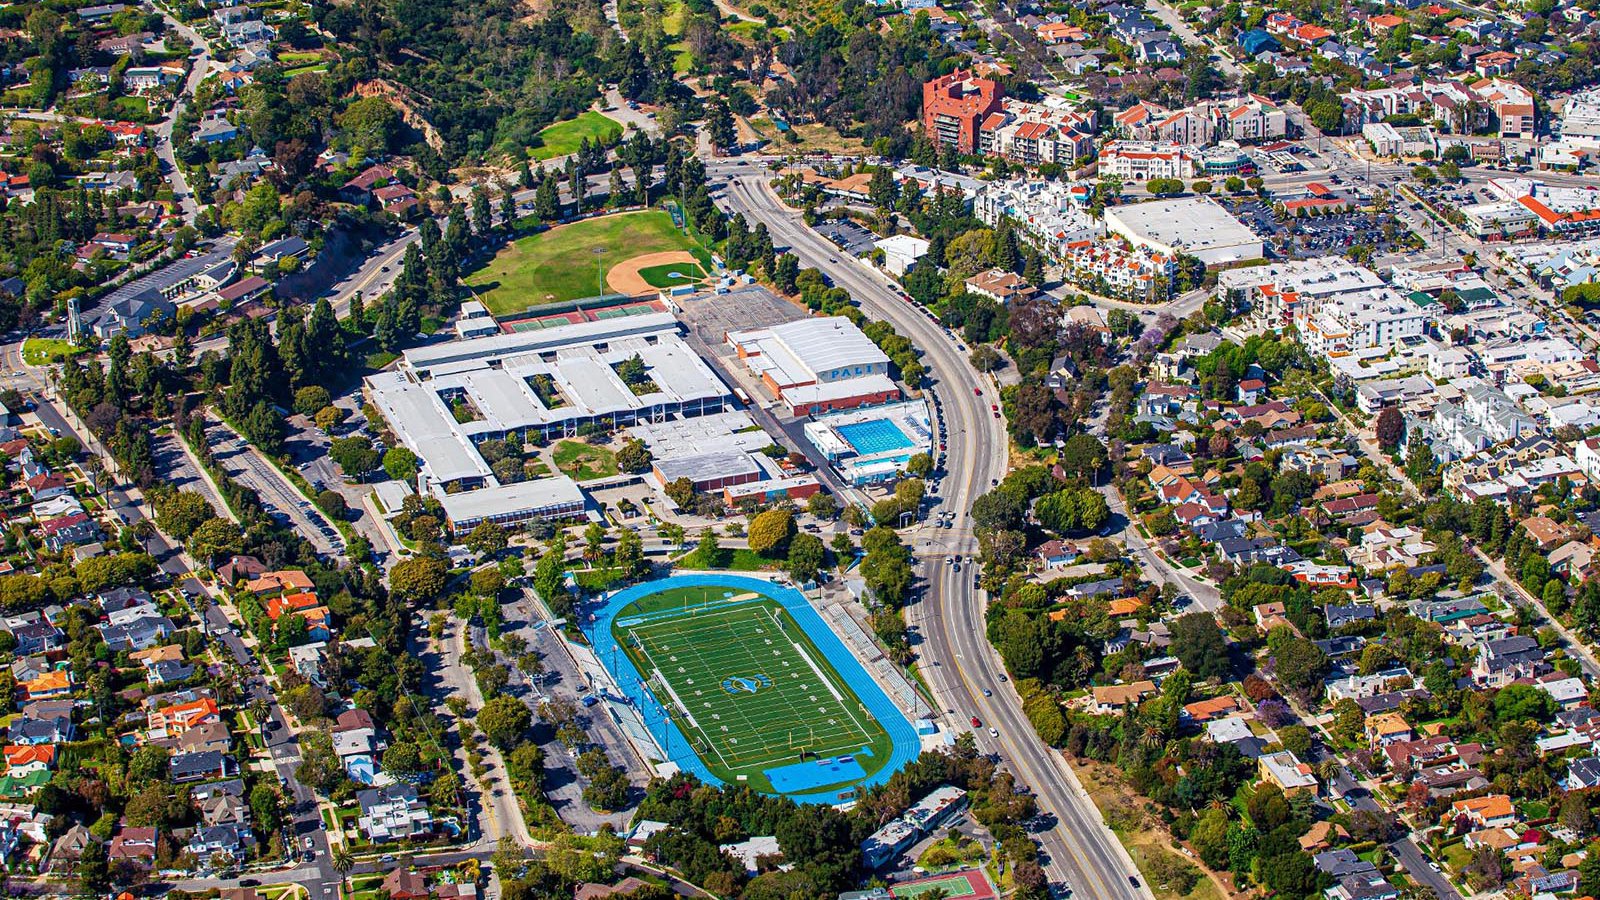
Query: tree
{"points": [[719, 124], [1390, 428], [1075, 510], [806, 556], [215, 538], [487, 582], [309, 399], [504, 721], [770, 530], [418, 579], [920, 465], [629, 555], [1198, 643], [343, 862], [401, 464], [634, 456], [328, 418], [487, 538]]}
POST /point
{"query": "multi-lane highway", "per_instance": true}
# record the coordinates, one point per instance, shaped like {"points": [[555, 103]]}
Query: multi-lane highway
{"points": [[948, 619]]}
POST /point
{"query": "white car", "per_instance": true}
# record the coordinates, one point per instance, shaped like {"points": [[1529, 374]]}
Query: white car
{"points": [[992, 732]]}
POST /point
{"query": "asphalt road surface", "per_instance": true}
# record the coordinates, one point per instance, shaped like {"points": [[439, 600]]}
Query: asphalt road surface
{"points": [[948, 619]]}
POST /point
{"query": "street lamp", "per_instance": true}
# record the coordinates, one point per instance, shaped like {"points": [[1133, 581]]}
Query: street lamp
{"points": [[599, 280]]}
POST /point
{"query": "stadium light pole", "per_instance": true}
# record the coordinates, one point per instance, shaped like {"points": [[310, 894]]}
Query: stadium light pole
{"points": [[599, 278]]}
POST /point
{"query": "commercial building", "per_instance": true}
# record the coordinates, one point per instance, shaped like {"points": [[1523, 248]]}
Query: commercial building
{"points": [[1580, 118], [1196, 226], [1356, 321], [921, 819], [1499, 220], [955, 105], [817, 364], [1277, 291], [901, 252], [1144, 160]]}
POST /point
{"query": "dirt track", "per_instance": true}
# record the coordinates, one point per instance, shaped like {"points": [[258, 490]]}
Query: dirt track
{"points": [[624, 276]]}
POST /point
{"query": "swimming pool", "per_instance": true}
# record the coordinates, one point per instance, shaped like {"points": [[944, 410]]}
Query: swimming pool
{"points": [[874, 436]]}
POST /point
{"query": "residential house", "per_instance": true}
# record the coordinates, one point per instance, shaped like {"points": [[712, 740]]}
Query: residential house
{"points": [[1285, 770], [392, 813], [1111, 699], [1503, 661], [1491, 811], [133, 846]]}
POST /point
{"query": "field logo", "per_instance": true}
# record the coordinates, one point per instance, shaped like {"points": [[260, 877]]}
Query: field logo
{"points": [[746, 684]]}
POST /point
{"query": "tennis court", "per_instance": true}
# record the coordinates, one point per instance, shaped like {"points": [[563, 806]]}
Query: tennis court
{"points": [[874, 436], [750, 691]]}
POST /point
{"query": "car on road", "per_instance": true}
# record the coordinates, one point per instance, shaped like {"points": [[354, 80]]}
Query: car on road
{"points": [[976, 723], [1133, 881], [977, 392], [988, 693], [249, 882], [992, 732]]}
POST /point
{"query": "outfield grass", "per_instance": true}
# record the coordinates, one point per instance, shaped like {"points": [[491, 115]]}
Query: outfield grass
{"points": [[43, 351], [558, 265], [584, 462], [747, 685], [563, 138], [671, 274]]}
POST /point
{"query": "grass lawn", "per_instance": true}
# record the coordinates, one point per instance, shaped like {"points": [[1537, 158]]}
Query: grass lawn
{"points": [[132, 107], [298, 57], [302, 70], [1456, 857], [380, 358], [671, 274], [584, 462], [563, 138], [559, 264], [43, 351]]}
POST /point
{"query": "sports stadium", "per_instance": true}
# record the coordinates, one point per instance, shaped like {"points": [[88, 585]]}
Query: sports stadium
{"points": [[740, 681]]}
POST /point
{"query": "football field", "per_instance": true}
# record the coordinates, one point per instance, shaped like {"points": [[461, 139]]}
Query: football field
{"points": [[748, 687]]}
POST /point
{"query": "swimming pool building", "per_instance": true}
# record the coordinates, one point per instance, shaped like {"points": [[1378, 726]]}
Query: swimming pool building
{"points": [[873, 445]]}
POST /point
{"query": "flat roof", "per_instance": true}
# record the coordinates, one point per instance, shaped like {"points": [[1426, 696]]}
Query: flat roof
{"points": [[733, 430], [511, 499], [495, 375], [811, 349], [707, 466], [1195, 224]]}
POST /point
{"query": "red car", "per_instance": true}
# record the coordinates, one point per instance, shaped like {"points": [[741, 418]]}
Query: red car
{"points": [[976, 723], [977, 392]]}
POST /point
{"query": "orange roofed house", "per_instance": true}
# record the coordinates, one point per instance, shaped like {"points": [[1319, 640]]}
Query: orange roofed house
{"points": [[174, 721], [1493, 811], [274, 582]]}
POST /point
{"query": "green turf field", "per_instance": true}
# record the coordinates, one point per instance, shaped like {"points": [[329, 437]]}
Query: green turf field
{"points": [[671, 275], [745, 682], [559, 265], [563, 138]]}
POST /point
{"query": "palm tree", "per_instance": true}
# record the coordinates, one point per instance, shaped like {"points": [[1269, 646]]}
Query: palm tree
{"points": [[343, 862]]}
